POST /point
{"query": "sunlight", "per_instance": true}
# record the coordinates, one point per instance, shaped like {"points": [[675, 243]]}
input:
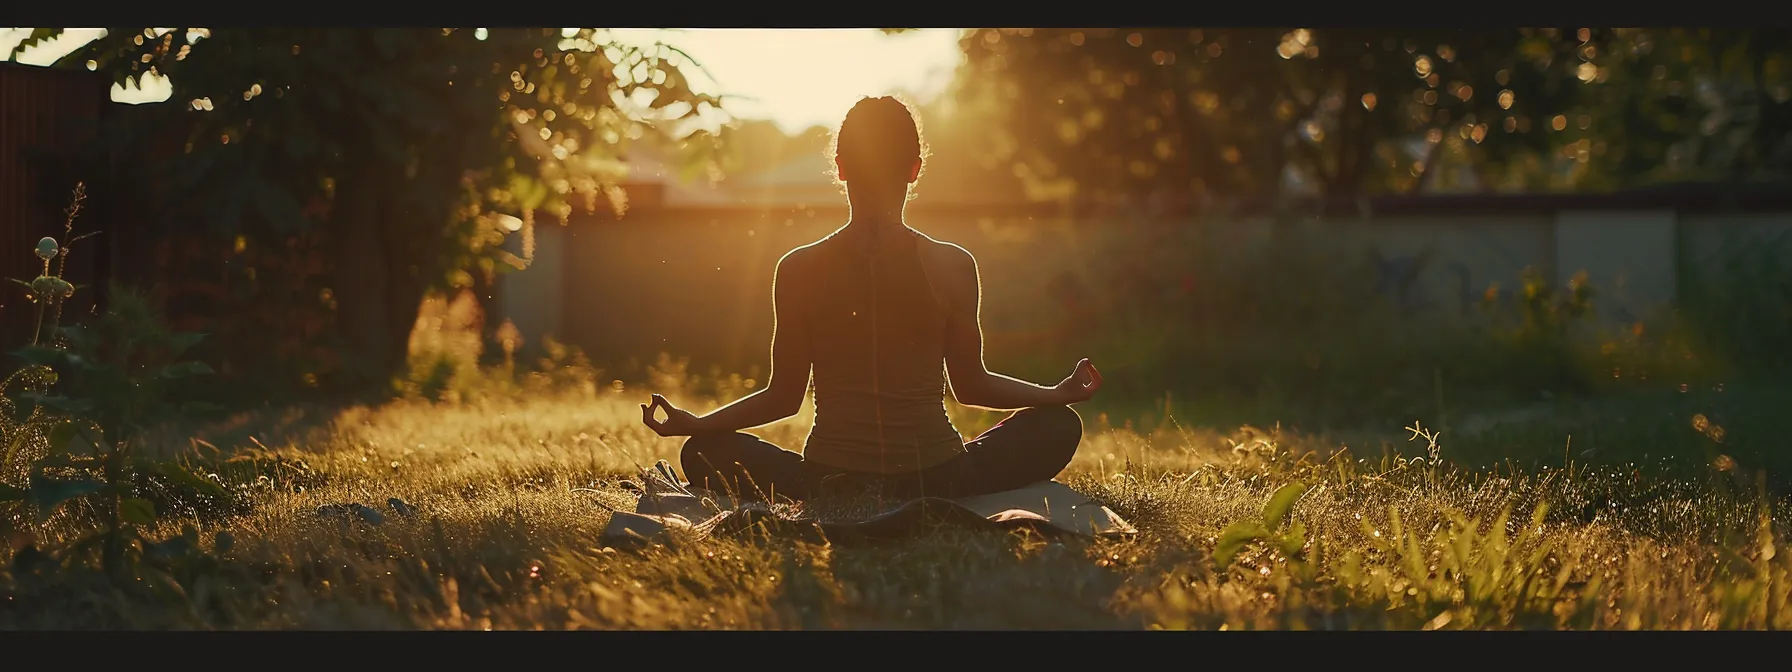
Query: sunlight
{"points": [[150, 87], [799, 78]]}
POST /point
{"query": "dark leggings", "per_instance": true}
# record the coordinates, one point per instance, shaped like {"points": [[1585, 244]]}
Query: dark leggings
{"points": [[1030, 446]]}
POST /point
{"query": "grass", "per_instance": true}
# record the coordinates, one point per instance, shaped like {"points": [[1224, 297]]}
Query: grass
{"points": [[505, 537]]}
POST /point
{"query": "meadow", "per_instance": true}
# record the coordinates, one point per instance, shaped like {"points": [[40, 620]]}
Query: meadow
{"points": [[504, 496]]}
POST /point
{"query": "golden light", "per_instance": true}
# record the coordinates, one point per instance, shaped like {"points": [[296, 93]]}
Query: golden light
{"points": [[750, 68]]}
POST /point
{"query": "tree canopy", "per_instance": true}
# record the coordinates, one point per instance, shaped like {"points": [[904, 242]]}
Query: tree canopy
{"points": [[413, 151], [1236, 115]]}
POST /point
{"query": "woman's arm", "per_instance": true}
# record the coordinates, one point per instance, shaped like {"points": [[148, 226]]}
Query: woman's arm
{"points": [[971, 381], [782, 396]]}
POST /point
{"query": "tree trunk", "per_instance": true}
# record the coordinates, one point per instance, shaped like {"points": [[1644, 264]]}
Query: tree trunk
{"points": [[377, 281]]}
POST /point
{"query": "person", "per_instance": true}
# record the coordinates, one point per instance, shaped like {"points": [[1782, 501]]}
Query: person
{"points": [[884, 317]]}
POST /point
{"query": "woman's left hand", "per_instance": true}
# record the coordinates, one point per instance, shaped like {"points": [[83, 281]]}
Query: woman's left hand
{"points": [[678, 422], [1084, 381]]}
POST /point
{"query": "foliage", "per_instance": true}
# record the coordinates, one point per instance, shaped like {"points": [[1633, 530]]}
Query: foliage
{"points": [[1275, 526], [72, 416], [449, 364], [390, 140], [1242, 115], [113, 379], [49, 290]]}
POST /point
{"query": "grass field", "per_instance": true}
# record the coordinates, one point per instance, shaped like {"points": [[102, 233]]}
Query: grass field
{"points": [[500, 539]]}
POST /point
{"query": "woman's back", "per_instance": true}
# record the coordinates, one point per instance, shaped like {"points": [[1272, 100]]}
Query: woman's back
{"points": [[877, 330]]}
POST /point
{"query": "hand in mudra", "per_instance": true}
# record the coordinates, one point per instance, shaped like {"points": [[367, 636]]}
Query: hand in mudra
{"points": [[678, 422], [1081, 385]]}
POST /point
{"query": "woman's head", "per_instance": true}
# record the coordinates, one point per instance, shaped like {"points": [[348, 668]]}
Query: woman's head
{"points": [[879, 145]]}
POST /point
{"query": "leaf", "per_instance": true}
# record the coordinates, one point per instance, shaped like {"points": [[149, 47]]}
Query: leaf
{"points": [[1234, 539], [1294, 540], [183, 342], [180, 474], [80, 338], [12, 493], [168, 549], [47, 494], [41, 355], [137, 510], [1281, 503], [68, 461], [185, 370], [60, 403], [66, 431]]}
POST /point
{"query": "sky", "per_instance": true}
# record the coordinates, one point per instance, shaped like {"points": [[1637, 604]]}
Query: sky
{"points": [[796, 78]]}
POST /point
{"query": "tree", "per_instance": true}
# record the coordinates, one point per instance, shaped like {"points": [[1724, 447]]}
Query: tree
{"points": [[1688, 103], [1242, 115], [413, 152], [1239, 114]]}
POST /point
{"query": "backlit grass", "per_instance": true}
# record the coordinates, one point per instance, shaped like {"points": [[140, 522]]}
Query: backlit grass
{"points": [[510, 494]]}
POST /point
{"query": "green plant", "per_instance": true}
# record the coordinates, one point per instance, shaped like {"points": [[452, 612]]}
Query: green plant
{"points": [[49, 290], [109, 382], [1276, 526]]}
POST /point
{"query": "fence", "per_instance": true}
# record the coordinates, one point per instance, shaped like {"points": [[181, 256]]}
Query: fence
{"points": [[695, 281]]}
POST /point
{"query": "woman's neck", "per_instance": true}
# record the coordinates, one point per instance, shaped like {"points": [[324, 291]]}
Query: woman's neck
{"points": [[876, 212]]}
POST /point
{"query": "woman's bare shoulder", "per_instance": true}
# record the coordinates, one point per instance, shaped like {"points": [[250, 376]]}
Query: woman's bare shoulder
{"points": [[801, 257], [946, 254]]}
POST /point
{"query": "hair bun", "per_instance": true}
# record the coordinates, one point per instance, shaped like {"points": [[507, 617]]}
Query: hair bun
{"points": [[880, 136]]}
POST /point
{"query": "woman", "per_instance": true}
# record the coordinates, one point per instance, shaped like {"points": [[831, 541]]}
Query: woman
{"points": [[873, 310]]}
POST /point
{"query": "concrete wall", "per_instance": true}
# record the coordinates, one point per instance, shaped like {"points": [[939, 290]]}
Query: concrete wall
{"points": [[696, 282], [1714, 239]]}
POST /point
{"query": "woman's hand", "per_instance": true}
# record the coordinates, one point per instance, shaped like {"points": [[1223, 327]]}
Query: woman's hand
{"points": [[1081, 385], [678, 422]]}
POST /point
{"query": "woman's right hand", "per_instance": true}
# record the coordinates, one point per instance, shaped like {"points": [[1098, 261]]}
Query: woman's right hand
{"points": [[678, 422], [1082, 384]]}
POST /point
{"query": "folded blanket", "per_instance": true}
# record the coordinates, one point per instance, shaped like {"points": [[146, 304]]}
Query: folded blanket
{"points": [[1048, 507]]}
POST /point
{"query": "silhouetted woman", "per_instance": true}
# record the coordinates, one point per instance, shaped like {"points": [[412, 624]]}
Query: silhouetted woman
{"points": [[874, 310]]}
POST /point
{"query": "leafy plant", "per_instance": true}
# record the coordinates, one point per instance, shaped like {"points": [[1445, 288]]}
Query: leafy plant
{"points": [[49, 290], [110, 381], [1276, 527]]}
